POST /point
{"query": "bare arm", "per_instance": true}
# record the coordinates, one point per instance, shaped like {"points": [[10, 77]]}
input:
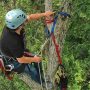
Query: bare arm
{"points": [[29, 59], [39, 15], [35, 16]]}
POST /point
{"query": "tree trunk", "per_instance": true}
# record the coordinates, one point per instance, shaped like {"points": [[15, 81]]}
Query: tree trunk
{"points": [[60, 34]]}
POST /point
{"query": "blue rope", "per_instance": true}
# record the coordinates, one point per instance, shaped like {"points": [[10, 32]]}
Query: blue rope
{"points": [[55, 21]]}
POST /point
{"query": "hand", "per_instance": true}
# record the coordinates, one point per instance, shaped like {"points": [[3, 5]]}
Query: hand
{"points": [[37, 59], [48, 13]]}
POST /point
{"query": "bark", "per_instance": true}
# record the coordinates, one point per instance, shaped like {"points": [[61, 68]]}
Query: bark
{"points": [[60, 34], [14, 3], [31, 83]]}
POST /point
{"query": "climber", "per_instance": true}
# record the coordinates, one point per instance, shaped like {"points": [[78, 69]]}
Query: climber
{"points": [[12, 41]]}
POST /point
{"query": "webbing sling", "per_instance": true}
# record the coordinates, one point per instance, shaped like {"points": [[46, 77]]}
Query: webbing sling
{"points": [[53, 36]]}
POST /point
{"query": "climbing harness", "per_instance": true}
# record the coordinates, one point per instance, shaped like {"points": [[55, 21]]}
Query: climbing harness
{"points": [[6, 70], [9, 66]]}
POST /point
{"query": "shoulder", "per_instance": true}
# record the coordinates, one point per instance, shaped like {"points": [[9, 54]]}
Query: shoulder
{"points": [[7, 36], [5, 31]]}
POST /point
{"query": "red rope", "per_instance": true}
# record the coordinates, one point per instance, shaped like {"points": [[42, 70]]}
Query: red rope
{"points": [[57, 48], [49, 21]]}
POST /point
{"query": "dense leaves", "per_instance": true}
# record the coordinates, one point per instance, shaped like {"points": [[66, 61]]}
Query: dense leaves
{"points": [[76, 53]]}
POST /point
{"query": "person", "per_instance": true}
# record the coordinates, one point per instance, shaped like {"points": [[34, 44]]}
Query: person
{"points": [[12, 41]]}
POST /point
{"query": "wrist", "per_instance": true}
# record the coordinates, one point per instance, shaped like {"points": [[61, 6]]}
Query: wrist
{"points": [[44, 14]]}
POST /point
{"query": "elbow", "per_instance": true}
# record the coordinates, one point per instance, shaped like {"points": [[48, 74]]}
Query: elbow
{"points": [[20, 60]]}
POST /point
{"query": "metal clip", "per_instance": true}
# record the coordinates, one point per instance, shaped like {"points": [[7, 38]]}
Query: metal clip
{"points": [[9, 67]]}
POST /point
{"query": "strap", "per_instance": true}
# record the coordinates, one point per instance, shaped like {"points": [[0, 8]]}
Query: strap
{"points": [[49, 21], [65, 15], [57, 49]]}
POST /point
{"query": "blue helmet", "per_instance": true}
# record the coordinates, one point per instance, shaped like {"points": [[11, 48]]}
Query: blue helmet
{"points": [[15, 18]]}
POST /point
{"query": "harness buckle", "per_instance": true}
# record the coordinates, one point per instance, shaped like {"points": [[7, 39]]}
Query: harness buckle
{"points": [[9, 67]]}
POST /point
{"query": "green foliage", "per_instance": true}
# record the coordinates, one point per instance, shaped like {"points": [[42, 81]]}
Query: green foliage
{"points": [[14, 84], [76, 53]]}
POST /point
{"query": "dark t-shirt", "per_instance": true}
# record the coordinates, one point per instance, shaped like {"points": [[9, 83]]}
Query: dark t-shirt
{"points": [[12, 44]]}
